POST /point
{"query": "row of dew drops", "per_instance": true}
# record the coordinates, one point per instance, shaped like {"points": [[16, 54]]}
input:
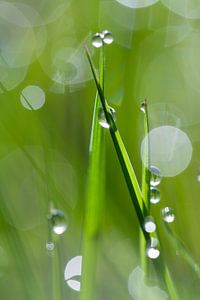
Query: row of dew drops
{"points": [[168, 216]]}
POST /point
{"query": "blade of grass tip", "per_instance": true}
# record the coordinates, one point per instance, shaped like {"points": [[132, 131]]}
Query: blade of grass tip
{"points": [[146, 164], [145, 186], [180, 247], [129, 174], [94, 199]]}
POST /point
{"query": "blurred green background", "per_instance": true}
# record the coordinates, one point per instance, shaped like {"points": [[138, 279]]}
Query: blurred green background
{"points": [[44, 136]]}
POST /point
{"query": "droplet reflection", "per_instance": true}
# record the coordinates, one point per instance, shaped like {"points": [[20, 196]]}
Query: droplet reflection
{"points": [[102, 119], [58, 221], [155, 176], [107, 37], [154, 195], [149, 224], [50, 246], [152, 250], [97, 40], [168, 214]]}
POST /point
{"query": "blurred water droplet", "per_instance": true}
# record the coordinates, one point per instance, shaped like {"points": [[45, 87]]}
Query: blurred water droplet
{"points": [[102, 118], [168, 214], [97, 40], [154, 195], [143, 107], [107, 37], [152, 252], [58, 221], [149, 224], [50, 246], [155, 176]]}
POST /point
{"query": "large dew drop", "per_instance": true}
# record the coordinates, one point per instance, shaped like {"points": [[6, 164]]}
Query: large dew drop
{"points": [[155, 177], [102, 119], [58, 221], [154, 195], [107, 37], [97, 40], [168, 214], [149, 224], [152, 250]]}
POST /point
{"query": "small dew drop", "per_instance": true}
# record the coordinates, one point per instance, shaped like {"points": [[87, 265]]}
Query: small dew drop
{"points": [[168, 214], [102, 119], [50, 246], [107, 37], [149, 225], [155, 176], [154, 195], [97, 40], [58, 221], [143, 106], [152, 250]]}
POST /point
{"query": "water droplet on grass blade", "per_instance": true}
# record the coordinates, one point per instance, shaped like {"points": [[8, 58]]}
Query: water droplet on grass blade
{"points": [[107, 37], [50, 246], [155, 176], [154, 195], [152, 251], [58, 221], [168, 214], [102, 119], [149, 224], [97, 40]]}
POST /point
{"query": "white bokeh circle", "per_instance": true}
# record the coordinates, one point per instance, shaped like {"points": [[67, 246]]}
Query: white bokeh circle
{"points": [[32, 97], [170, 150], [137, 3]]}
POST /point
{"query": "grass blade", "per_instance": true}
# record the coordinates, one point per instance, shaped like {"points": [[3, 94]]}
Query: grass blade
{"points": [[129, 174], [94, 204], [180, 247]]}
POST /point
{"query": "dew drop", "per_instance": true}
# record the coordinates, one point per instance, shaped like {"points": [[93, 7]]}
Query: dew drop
{"points": [[168, 214], [107, 37], [154, 195], [143, 106], [153, 253], [149, 224], [58, 221], [152, 250], [155, 176], [102, 119], [50, 246], [97, 40]]}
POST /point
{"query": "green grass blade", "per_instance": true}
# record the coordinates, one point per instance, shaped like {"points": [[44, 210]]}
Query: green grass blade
{"points": [[94, 204], [145, 187], [146, 164], [180, 247], [128, 171]]}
